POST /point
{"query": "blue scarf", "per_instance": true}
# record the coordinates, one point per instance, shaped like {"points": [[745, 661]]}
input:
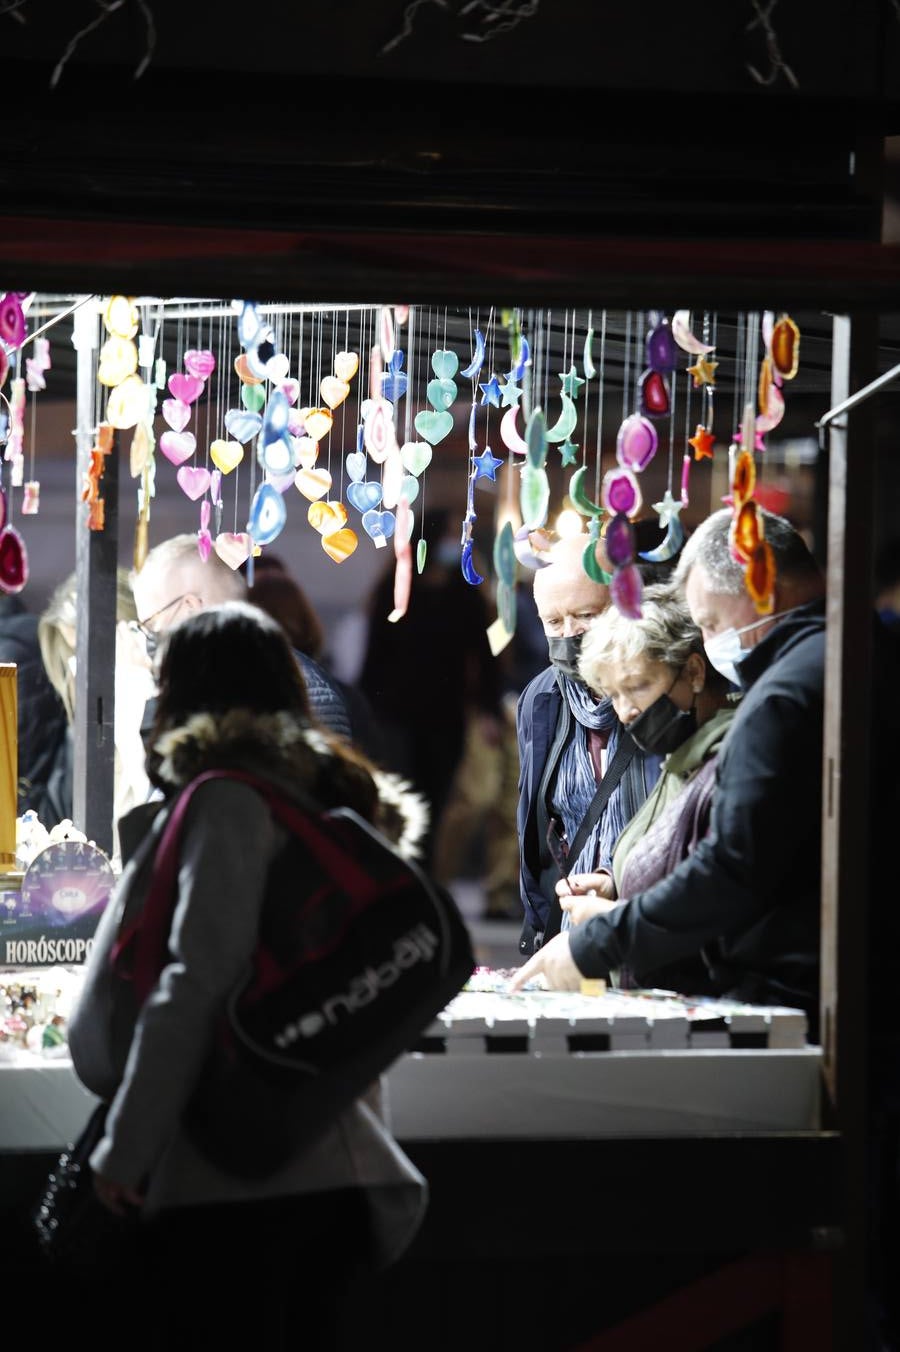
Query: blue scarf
{"points": [[576, 783]]}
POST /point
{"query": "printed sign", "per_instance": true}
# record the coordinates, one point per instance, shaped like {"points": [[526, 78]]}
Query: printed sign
{"points": [[51, 918]]}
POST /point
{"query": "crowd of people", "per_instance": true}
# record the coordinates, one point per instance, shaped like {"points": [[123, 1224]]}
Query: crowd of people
{"points": [[655, 759], [658, 765]]}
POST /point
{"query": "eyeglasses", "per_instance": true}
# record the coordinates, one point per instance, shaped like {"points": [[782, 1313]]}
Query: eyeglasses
{"points": [[145, 627]]}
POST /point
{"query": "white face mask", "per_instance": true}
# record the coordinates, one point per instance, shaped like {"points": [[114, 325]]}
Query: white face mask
{"points": [[725, 650]]}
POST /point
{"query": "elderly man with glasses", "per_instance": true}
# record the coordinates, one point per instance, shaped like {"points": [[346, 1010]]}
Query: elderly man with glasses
{"points": [[174, 581]]}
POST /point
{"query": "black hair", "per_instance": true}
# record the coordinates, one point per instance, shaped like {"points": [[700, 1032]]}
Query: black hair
{"points": [[229, 656]]}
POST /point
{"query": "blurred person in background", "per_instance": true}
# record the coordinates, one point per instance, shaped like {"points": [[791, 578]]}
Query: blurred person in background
{"points": [[57, 638], [280, 595], [431, 674], [41, 714]]}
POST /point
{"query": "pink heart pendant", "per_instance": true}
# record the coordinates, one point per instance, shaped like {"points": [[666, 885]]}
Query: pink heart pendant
{"points": [[178, 446], [176, 413], [233, 548], [185, 387], [193, 480], [199, 363]]}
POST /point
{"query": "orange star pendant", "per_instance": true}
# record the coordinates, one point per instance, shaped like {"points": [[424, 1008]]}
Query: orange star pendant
{"points": [[702, 442], [703, 371]]}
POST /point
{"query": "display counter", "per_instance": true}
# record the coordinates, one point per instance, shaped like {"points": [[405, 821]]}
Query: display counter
{"points": [[536, 1064], [669, 1152]]}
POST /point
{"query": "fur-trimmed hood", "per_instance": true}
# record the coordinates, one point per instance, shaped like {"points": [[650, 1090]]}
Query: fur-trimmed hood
{"points": [[303, 762]]}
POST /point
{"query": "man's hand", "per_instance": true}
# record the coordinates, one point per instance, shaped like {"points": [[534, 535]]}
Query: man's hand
{"points": [[555, 963]]}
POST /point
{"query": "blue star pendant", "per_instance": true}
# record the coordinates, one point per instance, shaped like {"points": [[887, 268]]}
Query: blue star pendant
{"points": [[486, 465], [491, 393]]}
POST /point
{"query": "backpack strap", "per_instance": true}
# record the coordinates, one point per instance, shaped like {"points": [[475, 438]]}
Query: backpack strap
{"points": [[139, 953], [614, 771]]}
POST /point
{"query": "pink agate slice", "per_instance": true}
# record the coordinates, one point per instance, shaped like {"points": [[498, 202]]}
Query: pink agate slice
{"points": [[636, 442], [626, 590]]}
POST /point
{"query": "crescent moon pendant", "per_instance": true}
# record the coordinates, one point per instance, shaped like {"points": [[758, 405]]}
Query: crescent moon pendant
{"points": [[670, 545], [509, 433], [566, 421], [578, 495], [468, 568], [592, 567], [477, 361]]}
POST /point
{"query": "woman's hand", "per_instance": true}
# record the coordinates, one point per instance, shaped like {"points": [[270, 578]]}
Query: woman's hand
{"points": [[583, 884], [582, 908], [116, 1197]]}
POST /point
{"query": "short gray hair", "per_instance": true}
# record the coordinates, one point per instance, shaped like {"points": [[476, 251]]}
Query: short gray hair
{"points": [[664, 633], [212, 579], [709, 547]]}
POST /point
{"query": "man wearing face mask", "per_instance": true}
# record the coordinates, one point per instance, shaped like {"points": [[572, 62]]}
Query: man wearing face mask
{"points": [[572, 750], [748, 894], [674, 704]]}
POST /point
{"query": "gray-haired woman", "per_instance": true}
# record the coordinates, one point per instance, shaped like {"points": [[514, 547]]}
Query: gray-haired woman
{"points": [[675, 704]]}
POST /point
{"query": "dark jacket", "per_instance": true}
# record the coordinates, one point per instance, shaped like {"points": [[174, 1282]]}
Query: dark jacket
{"points": [[749, 894], [42, 722], [326, 701], [541, 713], [325, 697]]}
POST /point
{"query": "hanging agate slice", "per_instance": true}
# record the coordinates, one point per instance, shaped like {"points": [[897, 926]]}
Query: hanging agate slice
{"points": [[267, 515], [619, 493], [505, 555], [534, 496], [785, 347], [759, 576], [13, 559], [744, 480], [745, 534], [619, 541], [661, 354], [12, 320], [654, 394], [626, 590], [636, 443]]}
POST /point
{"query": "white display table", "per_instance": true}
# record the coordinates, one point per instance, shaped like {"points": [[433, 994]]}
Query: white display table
{"points": [[495, 1066]]}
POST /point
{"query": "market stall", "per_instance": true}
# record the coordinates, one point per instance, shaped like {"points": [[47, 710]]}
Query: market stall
{"points": [[257, 419]]}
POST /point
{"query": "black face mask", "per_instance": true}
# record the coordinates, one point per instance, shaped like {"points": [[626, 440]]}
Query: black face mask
{"points": [[564, 654], [662, 727]]}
